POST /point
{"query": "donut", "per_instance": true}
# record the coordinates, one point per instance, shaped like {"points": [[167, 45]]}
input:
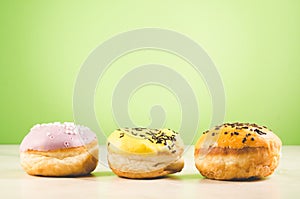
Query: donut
{"points": [[237, 151], [144, 153], [59, 149]]}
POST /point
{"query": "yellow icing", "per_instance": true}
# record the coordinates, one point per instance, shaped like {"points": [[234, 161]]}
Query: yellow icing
{"points": [[126, 142]]}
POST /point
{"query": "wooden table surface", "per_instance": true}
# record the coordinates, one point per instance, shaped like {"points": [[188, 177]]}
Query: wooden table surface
{"points": [[15, 183]]}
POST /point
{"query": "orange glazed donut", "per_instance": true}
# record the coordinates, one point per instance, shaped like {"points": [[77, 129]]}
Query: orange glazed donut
{"points": [[237, 151]]}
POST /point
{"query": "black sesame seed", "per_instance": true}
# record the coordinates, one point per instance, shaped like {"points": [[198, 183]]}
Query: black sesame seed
{"points": [[225, 133], [236, 133], [252, 139], [231, 134], [259, 132], [158, 141], [244, 140], [255, 125], [213, 134], [133, 133], [150, 140], [245, 127]]}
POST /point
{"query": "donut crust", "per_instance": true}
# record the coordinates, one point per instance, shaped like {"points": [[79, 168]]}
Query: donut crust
{"points": [[230, 164], [75, 161], [174, 167]]}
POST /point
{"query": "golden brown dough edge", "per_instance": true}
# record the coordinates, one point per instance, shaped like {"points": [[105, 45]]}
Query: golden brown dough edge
{"points": [[172, 168], [75, 161], [228, 164]]}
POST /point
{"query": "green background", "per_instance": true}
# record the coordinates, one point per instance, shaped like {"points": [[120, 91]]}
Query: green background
{"points": [[255, 46]]}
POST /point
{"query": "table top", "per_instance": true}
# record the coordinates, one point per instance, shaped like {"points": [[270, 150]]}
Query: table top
{"points": [[15, 183]]}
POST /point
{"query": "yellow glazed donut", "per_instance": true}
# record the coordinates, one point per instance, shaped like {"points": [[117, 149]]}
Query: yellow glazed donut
{"points": [[145, 153]]}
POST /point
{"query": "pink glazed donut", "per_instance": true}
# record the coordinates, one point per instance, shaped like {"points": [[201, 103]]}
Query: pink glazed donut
{"points": [[57, 149]]}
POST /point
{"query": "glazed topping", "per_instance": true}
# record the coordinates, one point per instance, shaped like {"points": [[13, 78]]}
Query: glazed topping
{"points": [[236, 135], [239, 126], [156, 136], [153, 135], [252, 127], [144, 140], [53, 136]]}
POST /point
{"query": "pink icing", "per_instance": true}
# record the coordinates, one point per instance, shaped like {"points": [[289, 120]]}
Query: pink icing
{"points": [[45, 137]]}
